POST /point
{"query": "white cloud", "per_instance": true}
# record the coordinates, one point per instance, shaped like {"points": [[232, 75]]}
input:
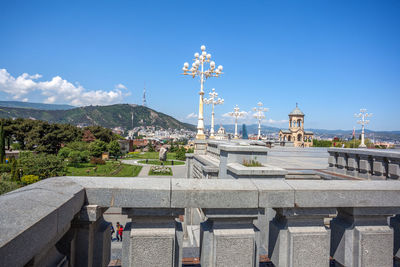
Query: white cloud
{"points": [[271, 121], [191, 116], [57, 90], [121, 86], [25, 99]]}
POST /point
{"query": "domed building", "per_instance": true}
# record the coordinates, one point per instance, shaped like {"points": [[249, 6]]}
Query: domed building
{"points": [[296, 133], [221, 134]]}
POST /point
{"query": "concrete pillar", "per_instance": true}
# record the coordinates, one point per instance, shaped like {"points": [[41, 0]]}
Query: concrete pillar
{"points": [[298, 237], [352, 165], [395, 224], [365, 166], [393, 169], [189, 165], [92, 241], [361, 237], [230, 238], [153, 238]]}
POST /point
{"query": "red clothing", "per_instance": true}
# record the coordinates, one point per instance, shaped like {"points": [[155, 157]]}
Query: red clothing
{"points": [[120, 230]]}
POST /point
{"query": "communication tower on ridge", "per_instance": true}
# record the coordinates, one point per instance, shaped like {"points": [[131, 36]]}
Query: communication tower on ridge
{"points": [[144, 96]]}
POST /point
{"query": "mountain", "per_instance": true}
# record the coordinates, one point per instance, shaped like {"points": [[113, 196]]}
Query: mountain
{"points": [[119, 115], [19, 104]]}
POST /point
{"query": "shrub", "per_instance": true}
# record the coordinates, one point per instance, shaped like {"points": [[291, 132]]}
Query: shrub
{"points": [[5, 168], [97, 148], [6, 186], [252, 163], [64, 152], [5, 176], [97, 161], [29, 179]]}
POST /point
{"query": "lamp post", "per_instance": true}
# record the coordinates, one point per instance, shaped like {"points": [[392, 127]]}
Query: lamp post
{"points": [[363, 121], [259, 115], [236, 113], [213, 101], [197, 69]]}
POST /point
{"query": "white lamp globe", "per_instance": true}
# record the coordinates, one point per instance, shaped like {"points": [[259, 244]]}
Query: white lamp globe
{"points": [[204, 54], [203, 47], [196, 55], [212, 64], [186, 65], [194, 65], [197, 62], [208, 56], [220, 68]]}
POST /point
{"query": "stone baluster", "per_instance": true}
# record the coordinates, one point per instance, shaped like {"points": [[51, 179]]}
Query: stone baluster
{"points": [[361, 237], [341, 165], [379, 166], [230, 238], [365, 166], [332, 160], [352, 165], [298, 237], [153, 238], [393, 168], [92, 240]]}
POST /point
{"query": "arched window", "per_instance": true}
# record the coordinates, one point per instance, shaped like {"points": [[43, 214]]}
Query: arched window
{"points": [[289, 138], [284, 138], [299, 123], [299, 137], [294, 124]]}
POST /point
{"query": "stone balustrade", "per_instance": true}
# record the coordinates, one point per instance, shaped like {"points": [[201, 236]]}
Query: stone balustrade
{"points": [[365, 163], [59, 222]]}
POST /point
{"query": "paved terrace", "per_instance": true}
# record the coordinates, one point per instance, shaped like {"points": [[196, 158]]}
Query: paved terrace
{"points": [[59, 222]]}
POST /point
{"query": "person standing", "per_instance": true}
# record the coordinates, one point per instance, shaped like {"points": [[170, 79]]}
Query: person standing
{"points": [[121, 229], [112, 231], [117, 233]]}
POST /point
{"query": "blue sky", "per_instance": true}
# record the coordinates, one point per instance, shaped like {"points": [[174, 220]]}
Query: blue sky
{"points": [[332, 57]]}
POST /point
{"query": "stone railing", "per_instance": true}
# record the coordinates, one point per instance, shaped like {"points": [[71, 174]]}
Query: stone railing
{"points": [[365, 163], [59, 222]]}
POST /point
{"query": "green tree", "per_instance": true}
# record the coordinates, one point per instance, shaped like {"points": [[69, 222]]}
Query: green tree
{"points": [[114, 149], [180, 153], [104, 134], [64, 152], [2, 144], [97, 147], [42, 165], [150, 146]]}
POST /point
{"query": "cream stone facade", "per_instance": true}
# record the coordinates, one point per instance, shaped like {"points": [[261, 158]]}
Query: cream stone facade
{"points": [[296, 133]]}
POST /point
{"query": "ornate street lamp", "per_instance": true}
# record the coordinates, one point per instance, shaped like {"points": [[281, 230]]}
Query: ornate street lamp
{"points": [[197, 69], [363, 121], [213, 101], [259, 115], [236, 113]]}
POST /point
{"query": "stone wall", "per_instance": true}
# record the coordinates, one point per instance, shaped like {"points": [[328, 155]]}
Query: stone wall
{"points": [[365, 163], [58, 221]]}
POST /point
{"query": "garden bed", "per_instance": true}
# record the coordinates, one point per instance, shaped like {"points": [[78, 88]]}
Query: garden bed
{"points": [[158, 162], [160, 170]]}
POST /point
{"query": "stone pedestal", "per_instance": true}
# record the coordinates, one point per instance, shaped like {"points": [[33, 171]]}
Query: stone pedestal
{"points": [[298, 237], [361, 237], [153, 238], [229, 237], [92, 241]]}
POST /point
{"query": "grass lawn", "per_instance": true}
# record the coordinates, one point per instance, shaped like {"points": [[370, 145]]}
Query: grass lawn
{"points": [[111, 168], [148, 155], [157, 162]]}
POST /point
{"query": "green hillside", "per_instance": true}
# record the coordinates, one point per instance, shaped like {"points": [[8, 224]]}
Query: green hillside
{"points": [[106, 116]]}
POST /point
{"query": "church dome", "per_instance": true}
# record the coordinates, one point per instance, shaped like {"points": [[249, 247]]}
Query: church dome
{"points": [[296, 111]]}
